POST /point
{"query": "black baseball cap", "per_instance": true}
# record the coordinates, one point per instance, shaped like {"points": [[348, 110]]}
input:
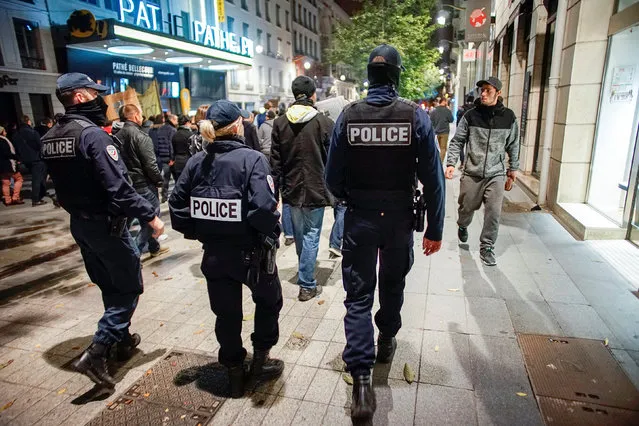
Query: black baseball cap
{"points": [[303, 86], [76, 80], [225, 112], [386, 54], [493, 81]]}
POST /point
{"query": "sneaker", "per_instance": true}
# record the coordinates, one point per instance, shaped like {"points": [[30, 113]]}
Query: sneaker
{"points": [[288, 240], [487, 255], [334, 252], [308, 293], [16, 202], [462, 234], [38, 203], [160, 252]]}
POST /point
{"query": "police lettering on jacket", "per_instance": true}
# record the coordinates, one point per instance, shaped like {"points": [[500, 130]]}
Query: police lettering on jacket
{"points": [[216, 209], [58, 148], [380, 134]]}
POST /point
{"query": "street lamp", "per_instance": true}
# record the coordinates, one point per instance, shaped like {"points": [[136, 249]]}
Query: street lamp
{"points": [[342, 77], [441, 71], [259, 49], [441, 20], [307, 65], [366, 84], [441, 49]]}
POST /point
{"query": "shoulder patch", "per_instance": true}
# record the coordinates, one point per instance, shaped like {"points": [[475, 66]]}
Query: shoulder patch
{"points": [[271, 184], [113, 152], [408, 102]]}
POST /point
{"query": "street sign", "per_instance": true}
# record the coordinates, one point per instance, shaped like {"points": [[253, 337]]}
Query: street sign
{"points": [[477, 21], [469, 55]]}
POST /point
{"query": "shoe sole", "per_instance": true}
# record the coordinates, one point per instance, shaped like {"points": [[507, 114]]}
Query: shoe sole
{"points": [[488, 263]]}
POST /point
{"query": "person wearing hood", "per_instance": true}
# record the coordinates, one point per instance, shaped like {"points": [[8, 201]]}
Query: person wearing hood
{"points": [[299, 148], [264, 134], [93, 186], [225, 199], [489, 132], [379, 147], [181, 142]]}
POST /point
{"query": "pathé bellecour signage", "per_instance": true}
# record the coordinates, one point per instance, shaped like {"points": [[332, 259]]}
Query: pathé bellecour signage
{"points": [[148, 16]]}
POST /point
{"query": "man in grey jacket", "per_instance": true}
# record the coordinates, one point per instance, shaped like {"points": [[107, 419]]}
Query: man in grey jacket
{"points": [[139, 157], [489, 131]]}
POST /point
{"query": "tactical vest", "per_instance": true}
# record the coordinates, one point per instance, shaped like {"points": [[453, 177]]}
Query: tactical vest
{"points": [[381, 154], [76, 186]]}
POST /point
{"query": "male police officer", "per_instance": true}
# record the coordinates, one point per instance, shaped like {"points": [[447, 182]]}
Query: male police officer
{"points": [[92, 185], [378, 146], [225, 199]]}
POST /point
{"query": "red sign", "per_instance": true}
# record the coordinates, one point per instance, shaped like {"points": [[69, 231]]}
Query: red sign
{"points": [[478, 18], [469, 55]]}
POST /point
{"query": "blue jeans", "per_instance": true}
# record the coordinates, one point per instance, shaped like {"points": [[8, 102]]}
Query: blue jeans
{"points": [[307, 226], [287, 222], [337, 233], [144, 240]]}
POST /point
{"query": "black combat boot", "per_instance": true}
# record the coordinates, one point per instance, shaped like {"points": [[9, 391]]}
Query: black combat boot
{"points": [[93, 363], [385, 348], [236, 381], [126, 347], [265, 368], [364, 404]]}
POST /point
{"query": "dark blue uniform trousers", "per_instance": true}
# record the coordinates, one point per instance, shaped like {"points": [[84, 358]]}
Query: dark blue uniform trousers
{"points": [[225, 272], [367, 235], [113, 264]]}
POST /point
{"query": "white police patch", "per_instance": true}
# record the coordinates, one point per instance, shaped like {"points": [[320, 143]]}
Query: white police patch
{"points": [[113, 152], [223, 210], [379, 134], [58, 148], [271, 184]]}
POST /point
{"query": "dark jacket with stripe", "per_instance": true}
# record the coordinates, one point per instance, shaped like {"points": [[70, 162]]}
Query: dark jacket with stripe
{"points": [[489, 133]]}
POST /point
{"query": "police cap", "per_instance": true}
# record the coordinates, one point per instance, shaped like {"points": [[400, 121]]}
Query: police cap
{"points": [[76, 80], [386, 54], [224, 112]]}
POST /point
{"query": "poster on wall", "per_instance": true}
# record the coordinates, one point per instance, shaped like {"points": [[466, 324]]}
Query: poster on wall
{"points": [[621, 90]]}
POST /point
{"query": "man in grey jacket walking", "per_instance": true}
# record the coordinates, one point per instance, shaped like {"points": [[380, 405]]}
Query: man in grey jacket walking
{"points": [[489, 131]]}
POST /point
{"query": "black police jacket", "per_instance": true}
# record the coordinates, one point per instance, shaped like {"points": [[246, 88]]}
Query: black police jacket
{"points": [[139, 156], [225, 196], [89, 177]]}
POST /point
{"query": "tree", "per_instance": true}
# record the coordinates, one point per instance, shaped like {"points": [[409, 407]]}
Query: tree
{"points": [[406, 25]]}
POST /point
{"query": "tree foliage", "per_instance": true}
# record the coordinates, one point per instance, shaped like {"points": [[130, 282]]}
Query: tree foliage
{"points": [[406, 25]]}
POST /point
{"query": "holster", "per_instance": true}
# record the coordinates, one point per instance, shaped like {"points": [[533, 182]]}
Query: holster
{"points": [[117, 225]]}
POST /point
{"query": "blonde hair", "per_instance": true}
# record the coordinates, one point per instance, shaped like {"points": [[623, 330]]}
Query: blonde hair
{"points": [[209, 133], [200, 114]]}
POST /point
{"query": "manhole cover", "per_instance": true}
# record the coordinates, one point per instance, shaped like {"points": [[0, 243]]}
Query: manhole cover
{"points": [[577, 370], [569, 413], [183, 388]]}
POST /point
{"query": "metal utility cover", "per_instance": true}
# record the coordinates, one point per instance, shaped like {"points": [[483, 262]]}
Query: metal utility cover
{"points": [[577, 370], [569, 413], [182, 389]]}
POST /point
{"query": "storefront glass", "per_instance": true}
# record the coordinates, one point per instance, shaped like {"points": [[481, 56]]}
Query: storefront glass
{"points": [[617, 128], [623, 4]]}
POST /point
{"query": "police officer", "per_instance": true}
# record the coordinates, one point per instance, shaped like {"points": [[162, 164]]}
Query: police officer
{"points": [[378, 146], [92, 185], [225, 199]]}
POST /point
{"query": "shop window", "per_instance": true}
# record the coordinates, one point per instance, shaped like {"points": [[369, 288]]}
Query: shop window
{"points": [[623, 4], [244, 5], [268, 43], [279, 47], [288, 18], [235, 84], [305, 19], [305, 44], [93, 2], [266, 10], [314, 23], [277, 16], [113, 5], [259, 36], [299, 13], [28, 38], [245, 30], [41, 107], [270, 76], [230, 22], [1, 58], [281, 80], [257, 8]]}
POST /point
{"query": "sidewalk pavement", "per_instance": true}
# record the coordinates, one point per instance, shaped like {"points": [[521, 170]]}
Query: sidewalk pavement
{"points": [[460, 320]]}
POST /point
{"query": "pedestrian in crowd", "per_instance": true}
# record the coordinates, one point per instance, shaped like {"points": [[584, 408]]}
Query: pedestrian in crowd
{"points": [[57, 117], [9, 171], [378, 180], [196, 143], [181, 142], [147, 123], [139, 159], [470, 103], [44, 126], [250, 131], [299, 147], [337, 231], [260, 119], [441, 117], [29, 148], [164, 151], [93, 186], [229, 177], [485, 171], [264, 134], [158, 121]]}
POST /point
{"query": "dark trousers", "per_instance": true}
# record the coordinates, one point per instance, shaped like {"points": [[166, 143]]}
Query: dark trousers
{"points": [[38, 171], [367, 235], [225, 272], [144, 240], [113, 264], [165, 169]]}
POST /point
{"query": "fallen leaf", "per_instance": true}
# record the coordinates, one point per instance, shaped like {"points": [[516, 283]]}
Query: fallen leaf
{"points": [[75, 348], [248, 317], [166, 410], [7, 405], [453, 289], [436, 348], [161, 324], [6, 364], [90, 285], [348, 378], [59, 305], [202, 325], [551, 366], [521, 394], [297, 335], [321, 302], [183, 416], [146, 395], [200, 282], [198, 332], [38, 345], [606, 342], [155, 274], [168, 278], [149, 371], [61, 391], [408, 374]]}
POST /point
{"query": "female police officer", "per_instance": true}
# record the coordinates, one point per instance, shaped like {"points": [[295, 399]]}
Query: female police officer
{"points": [[224, 198]]}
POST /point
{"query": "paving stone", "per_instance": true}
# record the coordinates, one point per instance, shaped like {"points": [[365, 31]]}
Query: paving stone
{"points": [[488, 316], [307, 326], [417, 280], [326, 329], [41, 408], [300, 309], [313, 354], [630, 367], [310, 413], [444, 282], [623, 320], [559, 288], [318, 310], [533, 317], [443, 405], [323, 386], [188, 336], [506, 410], [164, 330], [336, 311], [83, 414], [342, 395], [255, 409], [229, 411], [409, 345], [395, 402], [580, 321], [337, 416], [601, 291], [282, 411], [445, 313], [21, 402], [333, 357], [445, 359], [297, 383], [273, 387], [340, 335], [413, 310]]}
